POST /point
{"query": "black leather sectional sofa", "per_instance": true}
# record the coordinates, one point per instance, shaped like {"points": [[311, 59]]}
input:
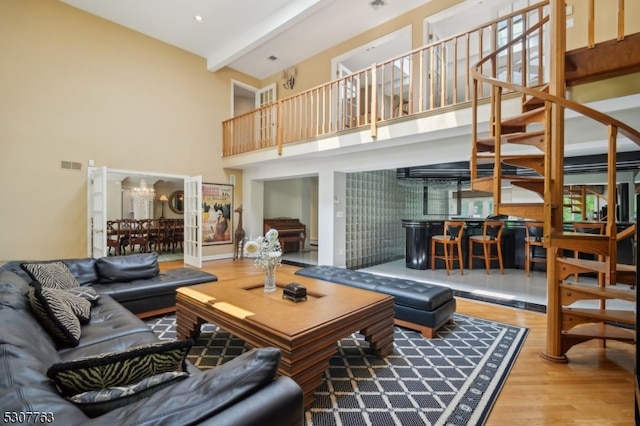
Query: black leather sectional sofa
{"points": [[243, 391], [134, 280]]}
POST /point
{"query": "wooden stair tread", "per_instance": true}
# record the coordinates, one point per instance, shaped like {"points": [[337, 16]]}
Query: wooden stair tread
{"points": [[624, 274], [527, 117], [531, 161], [531, 102], [580, 241], [604, 292], [595, 265], [601, 331], [510, 178], [515, 137], [535, 184], [611, 315], [534, 211]]}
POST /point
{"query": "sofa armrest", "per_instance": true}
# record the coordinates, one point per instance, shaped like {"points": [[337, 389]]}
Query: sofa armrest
{"points": [[201, 396], [280, 403]]}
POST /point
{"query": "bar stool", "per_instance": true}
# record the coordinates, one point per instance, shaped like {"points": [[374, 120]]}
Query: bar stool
{"points": [[534, 233], [451, 240], [588, 228], [491, 236]]}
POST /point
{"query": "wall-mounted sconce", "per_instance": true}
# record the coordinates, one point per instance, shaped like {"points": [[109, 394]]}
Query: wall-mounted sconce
{"points": [[288, 77]]}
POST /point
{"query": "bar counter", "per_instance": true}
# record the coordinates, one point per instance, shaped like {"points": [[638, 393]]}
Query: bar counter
{"points": [[419, 233], [420, 230]]}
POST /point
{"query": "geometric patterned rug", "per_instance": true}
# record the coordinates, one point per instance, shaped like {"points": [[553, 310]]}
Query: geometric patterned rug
{"points": [[452, 379]]}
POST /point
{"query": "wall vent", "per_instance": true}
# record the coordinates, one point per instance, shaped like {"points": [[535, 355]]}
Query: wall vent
{"points": [[71, 165]]}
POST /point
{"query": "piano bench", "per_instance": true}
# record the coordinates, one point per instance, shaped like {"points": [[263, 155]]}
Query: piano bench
{"points": [[418, 306]]}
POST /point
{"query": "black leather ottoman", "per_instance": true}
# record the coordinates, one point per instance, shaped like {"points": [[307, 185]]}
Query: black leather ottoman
{"points": [[418, 306]]}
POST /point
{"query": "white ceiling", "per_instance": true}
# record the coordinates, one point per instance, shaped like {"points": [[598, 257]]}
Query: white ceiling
{"points": [[242, 34]]}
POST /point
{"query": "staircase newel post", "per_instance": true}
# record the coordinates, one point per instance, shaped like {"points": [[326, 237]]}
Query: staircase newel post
{"points": [[496, 100], [473, 163], [554, 190]]}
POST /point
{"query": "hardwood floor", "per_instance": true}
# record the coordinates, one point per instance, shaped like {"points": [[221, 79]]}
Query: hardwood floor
{"points": [[594, 388]]}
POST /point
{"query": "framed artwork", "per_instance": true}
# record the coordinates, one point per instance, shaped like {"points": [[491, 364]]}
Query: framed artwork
{"points": [[217, 214]]}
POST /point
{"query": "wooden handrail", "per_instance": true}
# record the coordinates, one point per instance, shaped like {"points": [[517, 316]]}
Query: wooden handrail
{"points": [[598, 116], [424, 82]]}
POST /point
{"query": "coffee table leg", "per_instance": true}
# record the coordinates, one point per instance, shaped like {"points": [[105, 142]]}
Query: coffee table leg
{"points": [[187, 325], [379, 334]]}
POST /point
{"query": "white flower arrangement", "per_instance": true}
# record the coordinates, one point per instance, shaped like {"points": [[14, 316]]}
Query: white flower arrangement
{"points": [[266, 250]]}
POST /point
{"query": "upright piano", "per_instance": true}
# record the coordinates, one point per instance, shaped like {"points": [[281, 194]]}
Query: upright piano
{"points": [[291, 232]]}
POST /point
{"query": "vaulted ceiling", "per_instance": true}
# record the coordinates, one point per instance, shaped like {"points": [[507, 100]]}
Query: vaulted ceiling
{"points": [[243, 34]]}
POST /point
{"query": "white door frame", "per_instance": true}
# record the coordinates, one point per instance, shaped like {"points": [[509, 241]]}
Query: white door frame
{"points": [[91, 206], [96, 211]]}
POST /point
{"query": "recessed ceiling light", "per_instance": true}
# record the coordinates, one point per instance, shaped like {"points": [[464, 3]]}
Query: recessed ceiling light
{"points": [[376, 4], [272, 58], [198, 18]]}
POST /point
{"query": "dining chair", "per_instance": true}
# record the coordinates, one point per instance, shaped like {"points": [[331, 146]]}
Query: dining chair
{"points": [[491, 236], [534, 232], [140, 235], [451, 241], [113, 237]]}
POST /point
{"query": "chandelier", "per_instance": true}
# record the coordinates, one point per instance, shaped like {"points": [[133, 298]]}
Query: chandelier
{"points": [[143, 193]]}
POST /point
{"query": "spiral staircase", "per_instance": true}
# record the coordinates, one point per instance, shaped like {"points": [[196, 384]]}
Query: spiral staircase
{"points": [[540, 125]]}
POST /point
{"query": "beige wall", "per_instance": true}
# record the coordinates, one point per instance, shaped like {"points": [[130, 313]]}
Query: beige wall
{"points": [[605, 21], [75, 87]]}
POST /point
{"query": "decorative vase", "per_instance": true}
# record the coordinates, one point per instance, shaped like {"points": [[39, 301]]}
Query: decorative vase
{"points": [[270, 279]]}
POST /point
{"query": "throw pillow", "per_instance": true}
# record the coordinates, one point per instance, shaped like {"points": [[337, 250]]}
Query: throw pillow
{"points": [[51, 274], [121, 368], [80, 307], [97, 403], [55, 314], [86, 292]]}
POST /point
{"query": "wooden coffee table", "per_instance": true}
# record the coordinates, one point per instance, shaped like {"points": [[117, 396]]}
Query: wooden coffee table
{"points": [[306, 332]]}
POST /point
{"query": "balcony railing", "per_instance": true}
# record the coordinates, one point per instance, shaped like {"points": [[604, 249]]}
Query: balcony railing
{"points": [[427, 79]]}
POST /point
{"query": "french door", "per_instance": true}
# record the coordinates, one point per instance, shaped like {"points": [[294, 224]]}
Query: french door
{"points": [[265, 125], [193, 221], [97, 190]]}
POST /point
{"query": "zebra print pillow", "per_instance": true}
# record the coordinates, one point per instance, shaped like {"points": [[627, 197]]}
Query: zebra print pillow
{"points": [[55, 314], [120, 368], [97, 403], [81, 307], [51, 274]]}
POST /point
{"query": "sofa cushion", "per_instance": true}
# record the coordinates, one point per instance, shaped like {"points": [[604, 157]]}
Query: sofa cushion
{"points": [[111, 329], [127, 268], [51, 274], [84, 269], [18, 282], [55, 314], [120, 368], [96, 403]]}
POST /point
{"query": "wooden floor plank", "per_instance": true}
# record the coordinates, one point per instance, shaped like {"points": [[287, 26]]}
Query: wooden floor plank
{"points": [[595, 387]]}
